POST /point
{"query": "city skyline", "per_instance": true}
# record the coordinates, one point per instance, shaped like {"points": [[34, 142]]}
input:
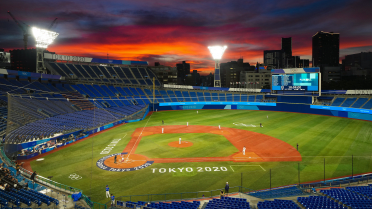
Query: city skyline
{"points": [[170, 32]]}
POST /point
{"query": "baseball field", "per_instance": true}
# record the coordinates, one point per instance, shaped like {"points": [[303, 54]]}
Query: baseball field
{"points": [[155, 162]]}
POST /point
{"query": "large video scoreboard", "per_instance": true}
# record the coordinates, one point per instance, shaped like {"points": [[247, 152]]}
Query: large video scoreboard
{"points": [[296, 79], [301, 81]]}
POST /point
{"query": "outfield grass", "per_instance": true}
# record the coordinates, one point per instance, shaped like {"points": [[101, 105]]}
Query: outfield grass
{"points": [[320, 138], [156, 146]]}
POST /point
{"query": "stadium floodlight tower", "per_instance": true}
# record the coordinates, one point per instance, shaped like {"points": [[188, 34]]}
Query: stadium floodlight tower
{"points": [[217, 52], [43, 39]]}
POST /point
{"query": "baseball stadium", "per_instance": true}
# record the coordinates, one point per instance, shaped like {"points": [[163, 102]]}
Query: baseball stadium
{"points": [[87, 125], [84, 132]]}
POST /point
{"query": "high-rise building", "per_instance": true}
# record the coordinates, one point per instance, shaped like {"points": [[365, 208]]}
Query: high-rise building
{"points": [[230, 72], [326, 49], [255, 80], [193, 79], [360, 61], [287, 47], [356, 66], [165, 74], [274, 59], [182, 70]]}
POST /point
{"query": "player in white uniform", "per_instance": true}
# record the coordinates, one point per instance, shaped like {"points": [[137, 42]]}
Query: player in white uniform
{"points": [[107, 192], [122, 158], [197, 112], [179, 141], [267, 116], [244, 150], [219, 126]]}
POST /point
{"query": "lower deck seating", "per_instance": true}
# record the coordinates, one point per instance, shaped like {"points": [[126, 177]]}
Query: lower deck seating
{"points": [[362, 190], [319, 202], [359, 102], [228, 203], [278, 204], [174, 205], [276, 193], [349, 198], [338, 101], [18, 192]]}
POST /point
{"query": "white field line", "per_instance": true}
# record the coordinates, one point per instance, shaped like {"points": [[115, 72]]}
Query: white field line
{"points": [[246, 165], [139, 137]]}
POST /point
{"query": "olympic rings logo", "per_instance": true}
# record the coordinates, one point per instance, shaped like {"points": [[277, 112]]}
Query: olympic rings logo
{"points": [[75, 176]]}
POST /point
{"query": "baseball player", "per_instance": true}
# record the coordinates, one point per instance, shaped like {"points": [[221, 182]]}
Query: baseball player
{"points": [[267, 116], [107, 192], [112, 200], [197, 112], [122, 158], [219, 126], [179, 140], [244, 150]]}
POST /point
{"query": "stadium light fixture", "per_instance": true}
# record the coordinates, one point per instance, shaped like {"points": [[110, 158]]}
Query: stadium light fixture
{"points": [[217, 52], [43, 37]]}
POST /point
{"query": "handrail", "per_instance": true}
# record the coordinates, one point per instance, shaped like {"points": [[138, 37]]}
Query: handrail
{"points": [[182, 196]]}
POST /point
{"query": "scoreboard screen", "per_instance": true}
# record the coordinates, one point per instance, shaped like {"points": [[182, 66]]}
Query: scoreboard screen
{"points": [[299, 81]]}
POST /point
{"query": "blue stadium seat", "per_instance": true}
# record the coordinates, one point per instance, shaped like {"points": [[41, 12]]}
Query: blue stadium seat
{"points": [[201, 96], [319, 202], [338, 101], [277, 193], [193, 96], [359, 102], [348, 102], [279, 204], [228, 203]]}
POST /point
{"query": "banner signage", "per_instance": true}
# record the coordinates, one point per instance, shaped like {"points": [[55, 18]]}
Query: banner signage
{"points": [[345, 109], [92, 60], [218, 103]]}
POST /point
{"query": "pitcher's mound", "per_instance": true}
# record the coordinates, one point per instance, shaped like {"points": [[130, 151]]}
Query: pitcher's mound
{"points": [[183, 144]]}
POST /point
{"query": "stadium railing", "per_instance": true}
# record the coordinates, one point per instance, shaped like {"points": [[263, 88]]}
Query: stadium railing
{"points": [[52, 184], [172, 197]]}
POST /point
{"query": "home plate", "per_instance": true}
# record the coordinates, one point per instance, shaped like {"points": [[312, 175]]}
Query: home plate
{"points": [[40, 159]]}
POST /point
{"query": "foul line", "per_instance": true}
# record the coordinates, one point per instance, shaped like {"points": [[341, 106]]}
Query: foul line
{"points": [[138, 137], [246, 165]]}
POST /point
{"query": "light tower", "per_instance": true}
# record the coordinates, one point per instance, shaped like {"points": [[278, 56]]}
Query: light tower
{"points": [[43, 39], [217, 52]]}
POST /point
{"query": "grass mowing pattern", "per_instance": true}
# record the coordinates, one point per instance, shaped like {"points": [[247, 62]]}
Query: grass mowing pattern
{"points": [[319, 137], [156, 146]]}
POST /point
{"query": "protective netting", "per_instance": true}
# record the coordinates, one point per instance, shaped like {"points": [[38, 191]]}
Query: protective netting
{"points": [[42, 117]]}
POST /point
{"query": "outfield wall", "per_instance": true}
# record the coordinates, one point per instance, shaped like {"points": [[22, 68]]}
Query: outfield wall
{"points": [[354, 113]]}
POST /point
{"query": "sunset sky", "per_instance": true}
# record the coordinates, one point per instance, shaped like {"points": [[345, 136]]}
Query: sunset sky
{"points": [[170, 31]]}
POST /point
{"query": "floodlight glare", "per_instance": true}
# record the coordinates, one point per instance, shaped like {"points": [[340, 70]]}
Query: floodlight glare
{"points": [[217, 51], [43, 37]]}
